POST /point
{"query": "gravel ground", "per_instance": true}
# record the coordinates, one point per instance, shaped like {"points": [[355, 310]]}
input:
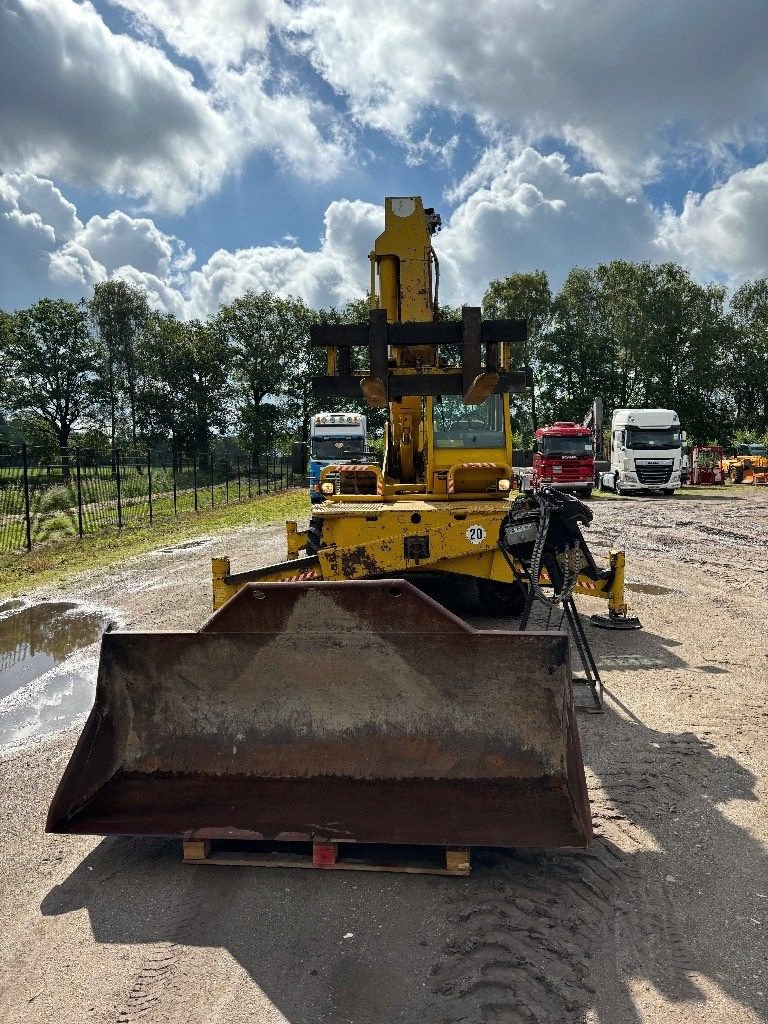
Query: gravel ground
{"points": [[663, 919]]}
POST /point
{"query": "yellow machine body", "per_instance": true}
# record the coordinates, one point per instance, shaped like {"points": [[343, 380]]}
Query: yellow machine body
{"points": [[436, 506], [746, 467]]}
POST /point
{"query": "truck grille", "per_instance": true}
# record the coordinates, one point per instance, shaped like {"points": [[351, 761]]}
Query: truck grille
{"points": [[654, 476], [357, 483]]}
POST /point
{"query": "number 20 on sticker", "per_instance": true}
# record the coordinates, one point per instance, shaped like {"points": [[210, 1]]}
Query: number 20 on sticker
{"points": [[475, 534]]}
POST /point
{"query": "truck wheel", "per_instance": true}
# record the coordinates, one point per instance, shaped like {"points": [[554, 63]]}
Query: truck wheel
{"points": [[668, 491], [501, 598], [587, 493]]}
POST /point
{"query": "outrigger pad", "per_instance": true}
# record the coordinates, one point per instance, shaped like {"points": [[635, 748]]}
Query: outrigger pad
{"points": [[356, 711]]}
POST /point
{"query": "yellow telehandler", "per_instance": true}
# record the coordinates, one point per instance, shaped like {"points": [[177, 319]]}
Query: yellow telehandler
{"points": [[328, 698]]}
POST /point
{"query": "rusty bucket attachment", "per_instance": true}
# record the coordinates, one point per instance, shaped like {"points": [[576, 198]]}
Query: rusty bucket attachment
{"points": [[355, 711]]}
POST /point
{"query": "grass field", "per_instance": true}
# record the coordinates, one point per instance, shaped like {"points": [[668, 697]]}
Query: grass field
{"points": [[56, 511], [57, 560]]}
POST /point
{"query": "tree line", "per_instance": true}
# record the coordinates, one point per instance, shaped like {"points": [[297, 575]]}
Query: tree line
{"points": [[111, 371], [641, 336]]}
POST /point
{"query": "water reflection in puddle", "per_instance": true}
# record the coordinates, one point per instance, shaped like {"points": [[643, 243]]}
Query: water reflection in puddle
{"points": [[47, 666]]}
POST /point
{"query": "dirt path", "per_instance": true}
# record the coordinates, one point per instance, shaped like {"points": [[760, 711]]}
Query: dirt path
{"points": [[664, 919]]}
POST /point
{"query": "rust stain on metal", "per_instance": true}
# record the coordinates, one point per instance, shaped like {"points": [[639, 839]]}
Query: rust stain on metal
{"points": [[358, 562]]}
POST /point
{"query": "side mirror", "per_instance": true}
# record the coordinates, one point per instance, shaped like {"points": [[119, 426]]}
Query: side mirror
{"points": [[684, 436], [299, 455]]}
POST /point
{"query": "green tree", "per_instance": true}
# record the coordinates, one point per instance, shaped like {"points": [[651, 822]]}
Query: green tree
{"points": [[119, 312], [49, 356], [187, 366], [526, 297], [268, 337], [746, 358]]}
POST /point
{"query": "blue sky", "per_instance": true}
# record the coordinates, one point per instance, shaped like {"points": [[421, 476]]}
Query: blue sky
{"points": [[199, 150]]}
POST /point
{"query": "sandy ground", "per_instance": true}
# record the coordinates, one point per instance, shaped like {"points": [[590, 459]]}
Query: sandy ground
{"points": [[663, 919]]}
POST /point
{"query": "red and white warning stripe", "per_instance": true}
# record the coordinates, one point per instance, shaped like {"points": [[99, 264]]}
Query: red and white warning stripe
{"points": [[583, 584]]}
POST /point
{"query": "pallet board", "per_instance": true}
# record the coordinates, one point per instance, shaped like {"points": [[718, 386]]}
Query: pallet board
{"points": [[429, 860]]}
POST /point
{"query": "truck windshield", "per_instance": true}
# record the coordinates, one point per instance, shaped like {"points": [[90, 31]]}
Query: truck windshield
{"points": [[581, 446], [468, 426], [337, 447], [651, 438]]}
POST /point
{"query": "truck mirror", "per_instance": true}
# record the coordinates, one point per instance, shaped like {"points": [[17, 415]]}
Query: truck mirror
{"points": [[299, 454], [684, 436]]}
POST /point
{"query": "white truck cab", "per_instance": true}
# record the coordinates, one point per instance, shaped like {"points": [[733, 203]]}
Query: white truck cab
{"points": [[646, 451]]}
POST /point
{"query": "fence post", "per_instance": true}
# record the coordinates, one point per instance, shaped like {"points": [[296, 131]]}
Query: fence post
{"points": [[78, 474], [239, 490], [27, 510], [149, 484], [175, 510], [226, 480], [194, 477], [118, 470]]}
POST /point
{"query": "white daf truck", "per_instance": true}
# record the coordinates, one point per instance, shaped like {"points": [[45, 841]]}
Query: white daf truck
{"points": [[646, 451]]}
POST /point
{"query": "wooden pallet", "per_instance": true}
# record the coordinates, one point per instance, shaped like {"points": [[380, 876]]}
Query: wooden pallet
{"points": [[423, 860]]}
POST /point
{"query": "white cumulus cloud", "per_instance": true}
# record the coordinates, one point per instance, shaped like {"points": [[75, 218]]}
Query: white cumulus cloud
{"points": [[103, 111], [628, 83], [724, 232], [518, 210]]}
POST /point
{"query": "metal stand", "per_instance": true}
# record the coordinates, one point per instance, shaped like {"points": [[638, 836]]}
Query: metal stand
{"points": [[569, 614]]}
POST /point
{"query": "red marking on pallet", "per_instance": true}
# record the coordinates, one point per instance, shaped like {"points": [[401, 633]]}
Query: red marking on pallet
{"points": [[324, 855]]}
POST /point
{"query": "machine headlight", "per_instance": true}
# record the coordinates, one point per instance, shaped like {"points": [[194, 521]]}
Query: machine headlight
{"points": [[327, 487], [503, 484], [632, 477]]}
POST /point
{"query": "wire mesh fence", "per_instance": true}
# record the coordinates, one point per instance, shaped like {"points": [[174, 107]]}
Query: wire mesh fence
{"points": [[82, 491]]}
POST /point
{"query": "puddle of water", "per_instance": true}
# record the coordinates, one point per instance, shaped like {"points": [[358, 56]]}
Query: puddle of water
{"points": [[47, 666], [629, 661], [200, 542], [649, 588]]}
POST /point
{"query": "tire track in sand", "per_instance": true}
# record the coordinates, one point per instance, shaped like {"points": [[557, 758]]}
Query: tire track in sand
{"points": [[151, 994], [538, 934]]}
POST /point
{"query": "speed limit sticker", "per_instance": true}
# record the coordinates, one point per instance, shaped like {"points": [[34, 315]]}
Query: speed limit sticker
{"points": [[475, 534]]}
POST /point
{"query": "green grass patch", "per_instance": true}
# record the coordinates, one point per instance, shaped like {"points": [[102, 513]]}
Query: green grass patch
{"points": [[58, 560]]}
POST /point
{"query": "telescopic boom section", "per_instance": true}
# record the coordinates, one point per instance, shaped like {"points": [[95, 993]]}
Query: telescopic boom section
{"points": [[414, 358]]}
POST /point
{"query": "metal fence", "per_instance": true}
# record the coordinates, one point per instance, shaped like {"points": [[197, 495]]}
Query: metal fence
{"points": [[82, 492]]}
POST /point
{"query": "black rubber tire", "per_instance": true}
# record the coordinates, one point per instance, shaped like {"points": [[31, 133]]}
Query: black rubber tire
{"points": [[668, 491], [314, 535], [501, 598], [587, 493]]}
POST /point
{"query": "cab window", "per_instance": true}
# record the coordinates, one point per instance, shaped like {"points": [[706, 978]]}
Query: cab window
{"points": [[468, 426]]}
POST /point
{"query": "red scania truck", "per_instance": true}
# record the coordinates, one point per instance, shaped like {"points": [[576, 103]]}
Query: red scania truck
{"points": [[564, 458]]}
